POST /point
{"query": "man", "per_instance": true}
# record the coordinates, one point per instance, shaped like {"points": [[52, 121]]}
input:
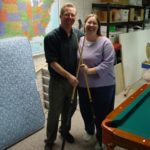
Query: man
{"points": [[60, 47]]}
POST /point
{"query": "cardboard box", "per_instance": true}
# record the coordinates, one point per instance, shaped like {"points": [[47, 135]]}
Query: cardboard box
{"points": [[142, 15], [115, 15], [136, 14], [124, 2], [102, 15], [132, 14], [124, 14]]}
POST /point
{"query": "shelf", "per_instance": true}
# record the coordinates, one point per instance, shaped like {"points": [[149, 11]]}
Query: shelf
{"points": [[114, 23], [107, 5], [119, 15], [117, 6]]}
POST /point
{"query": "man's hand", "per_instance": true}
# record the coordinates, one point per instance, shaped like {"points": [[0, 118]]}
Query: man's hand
{"points": [[59, 69], [72, 80]]}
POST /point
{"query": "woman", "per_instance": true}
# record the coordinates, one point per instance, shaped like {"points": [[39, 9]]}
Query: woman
{"points": [[98, 64]]}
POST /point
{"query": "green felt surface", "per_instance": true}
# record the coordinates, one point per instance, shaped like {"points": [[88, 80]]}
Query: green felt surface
{"points": [[136, 117]]}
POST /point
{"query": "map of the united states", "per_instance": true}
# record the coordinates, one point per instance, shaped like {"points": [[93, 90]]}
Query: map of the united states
{"points": [[24, 17]]}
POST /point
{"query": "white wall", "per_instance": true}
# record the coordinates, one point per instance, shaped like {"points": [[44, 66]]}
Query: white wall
{"points": [[133, 54]]}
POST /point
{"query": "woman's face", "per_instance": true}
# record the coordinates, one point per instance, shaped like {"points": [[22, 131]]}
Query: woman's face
{"points": [[91, 25]]}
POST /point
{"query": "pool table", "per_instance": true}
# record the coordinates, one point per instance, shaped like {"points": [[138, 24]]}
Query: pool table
{"points": [[128, 125]]}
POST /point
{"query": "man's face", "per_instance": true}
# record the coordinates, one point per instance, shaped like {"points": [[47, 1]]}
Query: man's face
{"points": [[68, 17]]}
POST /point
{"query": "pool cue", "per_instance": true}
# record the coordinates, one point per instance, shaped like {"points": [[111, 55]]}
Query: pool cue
{"points": [[78, 69], [73, 93], [86, 82], [89, 95], [126, 91], [130, 88], [88, 91]]}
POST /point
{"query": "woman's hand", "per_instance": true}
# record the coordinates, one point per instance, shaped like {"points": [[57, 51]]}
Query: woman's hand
{"points": [[84, 68]]}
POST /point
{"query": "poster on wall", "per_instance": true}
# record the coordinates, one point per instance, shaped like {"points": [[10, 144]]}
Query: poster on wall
{"points": [[31, 18]]}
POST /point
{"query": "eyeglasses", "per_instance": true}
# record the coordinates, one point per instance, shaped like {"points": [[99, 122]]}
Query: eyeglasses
{"points": [[69, 15]]}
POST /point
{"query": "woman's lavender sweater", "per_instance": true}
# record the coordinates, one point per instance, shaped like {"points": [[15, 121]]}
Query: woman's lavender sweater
{"points": [[99, 54]]}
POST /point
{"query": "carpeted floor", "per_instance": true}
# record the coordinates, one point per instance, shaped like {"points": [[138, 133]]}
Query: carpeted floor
{"points": [[36, 141]]}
